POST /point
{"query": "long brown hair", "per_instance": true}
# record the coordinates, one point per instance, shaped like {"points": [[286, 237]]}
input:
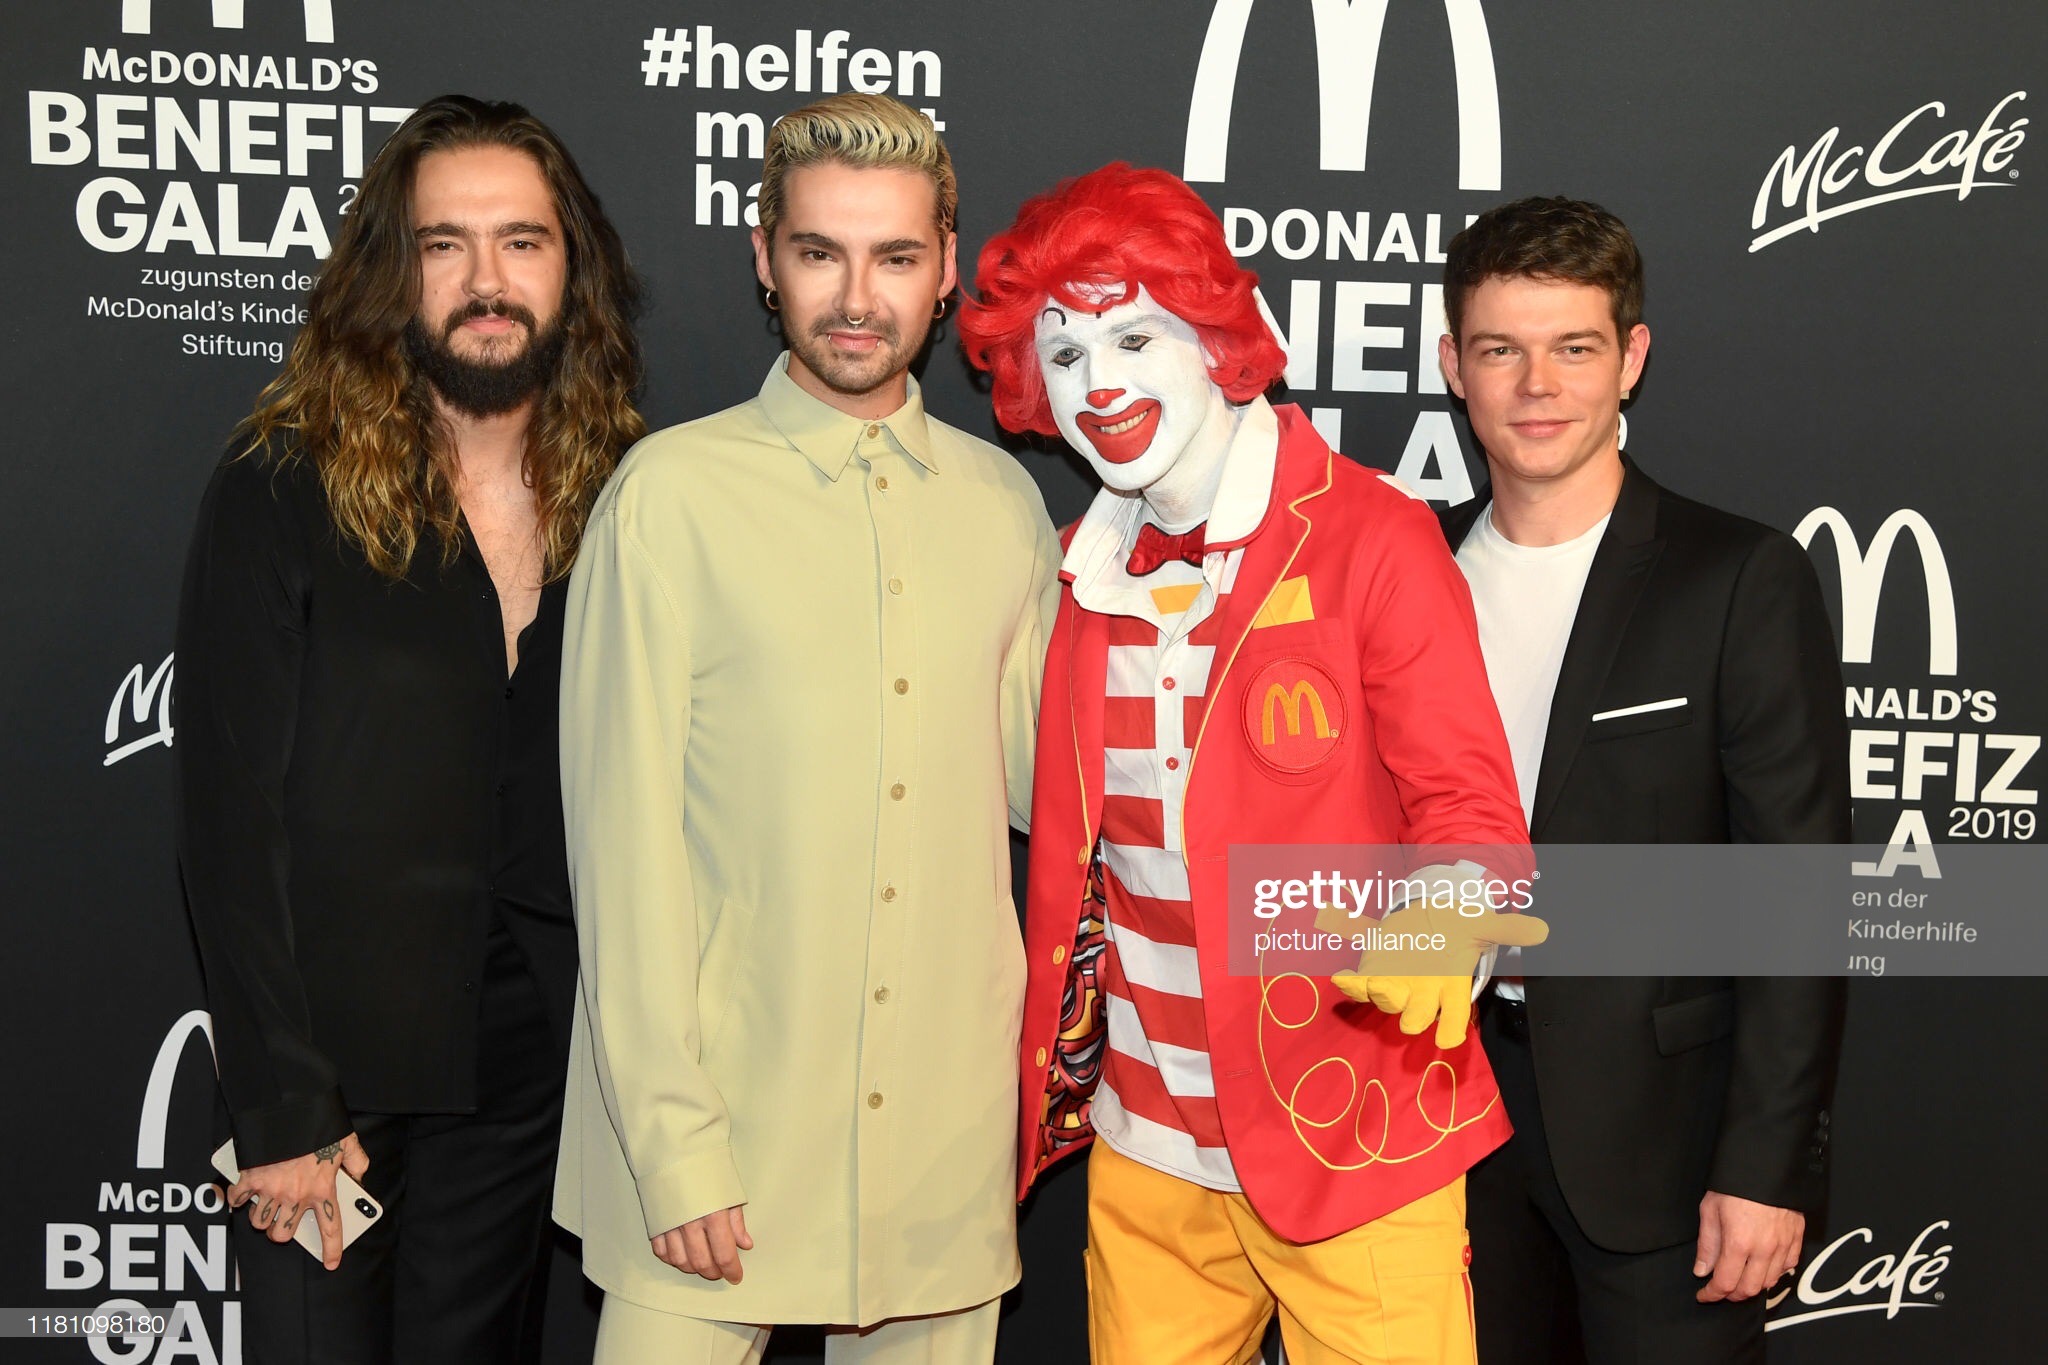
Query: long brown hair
{"points": [[352, 401]]}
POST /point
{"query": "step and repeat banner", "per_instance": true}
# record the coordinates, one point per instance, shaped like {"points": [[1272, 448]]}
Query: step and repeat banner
{"points": [[1839, 203]]}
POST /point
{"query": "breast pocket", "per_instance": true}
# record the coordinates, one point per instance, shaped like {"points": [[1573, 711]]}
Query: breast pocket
{"points": [[1641, 718], [1684, 1025]]}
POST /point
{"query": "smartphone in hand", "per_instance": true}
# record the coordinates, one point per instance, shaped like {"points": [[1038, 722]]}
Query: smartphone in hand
{"points": [[358, 1209]]}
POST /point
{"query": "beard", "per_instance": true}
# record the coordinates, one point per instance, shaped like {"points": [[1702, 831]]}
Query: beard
{"points": [[489, 387], [854, 376]]}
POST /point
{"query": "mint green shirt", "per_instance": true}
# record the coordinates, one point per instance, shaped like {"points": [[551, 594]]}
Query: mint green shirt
{"points": [[799, 693]]}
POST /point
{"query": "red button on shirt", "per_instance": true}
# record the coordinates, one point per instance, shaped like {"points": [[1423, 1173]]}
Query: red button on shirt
{"points": [[1172, 764], [1168, 684]]}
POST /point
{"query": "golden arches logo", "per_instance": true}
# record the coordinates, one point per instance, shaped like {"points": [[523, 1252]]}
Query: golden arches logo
{"points": [[1293, 716], [1288, 702]]}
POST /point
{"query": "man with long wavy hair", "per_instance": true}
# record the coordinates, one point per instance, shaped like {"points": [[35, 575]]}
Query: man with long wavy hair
{"points": [[370, 827]]}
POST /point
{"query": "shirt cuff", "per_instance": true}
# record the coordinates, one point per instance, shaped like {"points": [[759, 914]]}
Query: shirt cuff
{"points": [[280, 1132], [688, 1189]]}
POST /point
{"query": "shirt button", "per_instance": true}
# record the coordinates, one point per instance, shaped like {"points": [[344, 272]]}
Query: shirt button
{"points": [[896, 586], [1172, 765], [896, 792], [882, 482], [1041, 1056], [888, 893], [874, 1099], [1082, 857], [508, 694], [1168, 684], [874, 430], [881, 995], [902, 686], [1059, 954]]}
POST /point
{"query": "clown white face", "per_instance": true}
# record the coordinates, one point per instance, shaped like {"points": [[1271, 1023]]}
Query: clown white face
{"points": [[1130, 389]]}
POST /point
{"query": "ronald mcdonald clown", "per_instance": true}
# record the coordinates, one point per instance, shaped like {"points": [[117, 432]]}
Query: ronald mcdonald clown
{"points": [[1258, 641]]}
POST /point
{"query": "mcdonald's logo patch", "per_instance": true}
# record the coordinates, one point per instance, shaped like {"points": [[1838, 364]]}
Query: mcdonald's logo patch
{"points": [[1293, 715]]}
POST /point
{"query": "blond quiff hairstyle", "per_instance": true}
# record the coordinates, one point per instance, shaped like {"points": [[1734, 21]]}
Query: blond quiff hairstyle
{"points": [[869, 132]]}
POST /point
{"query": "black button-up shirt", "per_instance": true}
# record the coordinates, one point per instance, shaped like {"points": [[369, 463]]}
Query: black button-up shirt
{"points": [[362, 790]]}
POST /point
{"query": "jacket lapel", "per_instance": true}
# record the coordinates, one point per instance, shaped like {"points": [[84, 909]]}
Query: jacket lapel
{"points": [[1621, 566], [1087, 681], [1458, 521], [1302, 473]]}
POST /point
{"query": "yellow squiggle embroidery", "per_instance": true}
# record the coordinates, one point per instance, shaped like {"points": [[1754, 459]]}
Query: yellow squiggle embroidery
{"points": [[1375, 1153]]}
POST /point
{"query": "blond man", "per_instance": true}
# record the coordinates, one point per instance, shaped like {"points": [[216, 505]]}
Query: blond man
{"points": [[800, 680]]}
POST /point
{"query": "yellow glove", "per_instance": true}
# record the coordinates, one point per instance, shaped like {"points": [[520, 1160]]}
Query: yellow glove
{"points": [[1422, 965]]}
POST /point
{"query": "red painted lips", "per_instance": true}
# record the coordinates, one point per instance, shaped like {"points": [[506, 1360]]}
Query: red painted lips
{"points": [[1120, 437]]}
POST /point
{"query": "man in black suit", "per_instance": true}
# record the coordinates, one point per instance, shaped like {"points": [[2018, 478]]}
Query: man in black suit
{"points": [[1666, 673], [370, 797]]}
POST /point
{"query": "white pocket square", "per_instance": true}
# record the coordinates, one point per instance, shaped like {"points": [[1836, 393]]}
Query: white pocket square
{"points": [[1668, 704]]}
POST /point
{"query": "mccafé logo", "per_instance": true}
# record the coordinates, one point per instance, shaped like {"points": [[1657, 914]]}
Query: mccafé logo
{"points": [[135, 16], [1347, 60], [1885, 1284], [1862, 576], [1827, 184], [1293, 713]]}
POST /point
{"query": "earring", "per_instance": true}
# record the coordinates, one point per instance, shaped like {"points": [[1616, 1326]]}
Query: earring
{"points": [[1625, 394], [773, 298], [940, 311]]}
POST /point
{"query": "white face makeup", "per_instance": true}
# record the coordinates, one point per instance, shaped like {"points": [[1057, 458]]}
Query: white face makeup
{"points": [[1129, 386]]}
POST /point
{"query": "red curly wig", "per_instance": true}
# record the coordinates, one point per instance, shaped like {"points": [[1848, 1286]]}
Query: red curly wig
{"points": [[1116, 226]]}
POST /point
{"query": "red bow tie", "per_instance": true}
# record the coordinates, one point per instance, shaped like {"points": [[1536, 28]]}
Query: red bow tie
{"points": [[1155, 547]]}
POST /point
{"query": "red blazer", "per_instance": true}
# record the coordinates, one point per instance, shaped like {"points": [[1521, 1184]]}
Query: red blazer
{"points": [[1372, 613]]}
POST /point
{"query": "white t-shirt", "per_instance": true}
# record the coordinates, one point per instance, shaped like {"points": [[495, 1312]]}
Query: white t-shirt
{"points": [[1526, 598]]}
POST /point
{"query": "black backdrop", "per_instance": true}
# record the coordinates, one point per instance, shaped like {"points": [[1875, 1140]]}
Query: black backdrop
{"points": [[172, 171]]}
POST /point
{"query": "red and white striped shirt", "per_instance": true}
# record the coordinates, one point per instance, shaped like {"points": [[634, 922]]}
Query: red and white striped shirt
{"points": [[1156, 1101]]}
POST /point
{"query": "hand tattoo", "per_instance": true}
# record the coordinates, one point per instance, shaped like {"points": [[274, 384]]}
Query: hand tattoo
{"points": [[328, 1153], [327, 1208]]}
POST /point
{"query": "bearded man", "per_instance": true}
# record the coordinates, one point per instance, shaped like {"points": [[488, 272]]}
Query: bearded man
{"points": [[370, 827], [1258, 642]]}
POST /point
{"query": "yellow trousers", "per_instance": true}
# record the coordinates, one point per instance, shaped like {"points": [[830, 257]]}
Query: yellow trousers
{"points": [[1183, 1275]]}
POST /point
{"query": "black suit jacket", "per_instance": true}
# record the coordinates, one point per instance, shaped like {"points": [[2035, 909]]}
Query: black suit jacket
{"points": [[1657, 1089]]}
